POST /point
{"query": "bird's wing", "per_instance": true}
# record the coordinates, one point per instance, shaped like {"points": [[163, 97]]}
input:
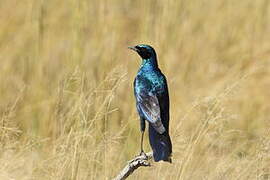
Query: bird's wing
{"points": [[148, 105]]}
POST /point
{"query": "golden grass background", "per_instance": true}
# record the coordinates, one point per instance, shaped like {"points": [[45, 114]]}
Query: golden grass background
{"points": [[67, 109]]}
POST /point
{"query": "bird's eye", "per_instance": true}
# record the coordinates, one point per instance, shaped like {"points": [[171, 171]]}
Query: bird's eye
{"points": [[144, 52]]}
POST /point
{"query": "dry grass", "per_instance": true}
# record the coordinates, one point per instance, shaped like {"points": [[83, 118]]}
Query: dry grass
{"points": [[66, 98]]}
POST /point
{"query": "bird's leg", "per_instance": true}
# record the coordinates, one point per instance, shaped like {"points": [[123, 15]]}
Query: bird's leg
{"points": [[142, 152], [142, 131]]}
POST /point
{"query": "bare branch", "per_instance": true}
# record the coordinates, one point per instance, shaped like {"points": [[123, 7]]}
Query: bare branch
{"points": [[132, 165]]}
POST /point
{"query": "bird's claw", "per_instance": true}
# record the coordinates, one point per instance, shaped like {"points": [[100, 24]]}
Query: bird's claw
{"points": [[143, 154], [139, 156]]}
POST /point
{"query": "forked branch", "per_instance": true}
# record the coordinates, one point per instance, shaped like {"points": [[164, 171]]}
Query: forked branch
{"points": [[132, 165]]}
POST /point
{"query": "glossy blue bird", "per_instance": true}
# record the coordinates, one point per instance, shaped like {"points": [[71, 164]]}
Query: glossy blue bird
{"points": [[152, 102]]}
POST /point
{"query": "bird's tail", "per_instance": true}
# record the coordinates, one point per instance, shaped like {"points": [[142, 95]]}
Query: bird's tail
{"points": [[161, 145]]}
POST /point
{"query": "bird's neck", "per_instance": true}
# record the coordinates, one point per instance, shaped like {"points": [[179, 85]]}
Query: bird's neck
{"points": [[149, 64]]}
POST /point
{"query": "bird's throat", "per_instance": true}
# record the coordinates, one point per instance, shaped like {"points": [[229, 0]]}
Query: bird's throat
{"points": [[150, 63]]}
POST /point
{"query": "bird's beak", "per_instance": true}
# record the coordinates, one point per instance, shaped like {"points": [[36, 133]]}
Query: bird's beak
{"points": [[133, 48]]}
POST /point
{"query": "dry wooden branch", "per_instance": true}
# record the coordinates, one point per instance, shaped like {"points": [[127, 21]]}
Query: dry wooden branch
{"points": [[132, 165]]}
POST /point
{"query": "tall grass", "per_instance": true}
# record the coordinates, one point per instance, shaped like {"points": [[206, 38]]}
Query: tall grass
{"points": [[67, 109]]}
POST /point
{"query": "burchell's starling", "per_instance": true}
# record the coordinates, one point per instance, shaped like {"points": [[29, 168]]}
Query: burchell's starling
{"points": [[152, 102]]}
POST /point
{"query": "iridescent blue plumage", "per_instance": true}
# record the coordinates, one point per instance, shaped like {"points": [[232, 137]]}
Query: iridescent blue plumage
{"points": [[152, 102]]}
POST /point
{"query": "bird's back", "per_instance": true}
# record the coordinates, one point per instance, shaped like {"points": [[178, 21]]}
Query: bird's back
{"points": [[153, 82]]}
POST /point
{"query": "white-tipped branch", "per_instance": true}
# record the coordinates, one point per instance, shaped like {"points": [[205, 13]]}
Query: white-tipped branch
{"points": [[132, 165]]}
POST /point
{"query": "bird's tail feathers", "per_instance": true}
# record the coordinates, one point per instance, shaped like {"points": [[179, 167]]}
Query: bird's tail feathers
{"points": [[161, 145]]}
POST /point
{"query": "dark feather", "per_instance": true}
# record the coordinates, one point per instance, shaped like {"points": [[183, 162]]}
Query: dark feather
{"points": [[148, 106]]}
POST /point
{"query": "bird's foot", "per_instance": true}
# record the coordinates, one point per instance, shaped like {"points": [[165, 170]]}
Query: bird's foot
{"points": [[143, 154], [142, 157]]}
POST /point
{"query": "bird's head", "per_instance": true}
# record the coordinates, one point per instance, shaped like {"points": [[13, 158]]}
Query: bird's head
{"points": [[145, 51]]}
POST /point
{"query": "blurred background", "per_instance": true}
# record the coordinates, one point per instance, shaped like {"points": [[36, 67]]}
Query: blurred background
{"points": [[67, 109]]}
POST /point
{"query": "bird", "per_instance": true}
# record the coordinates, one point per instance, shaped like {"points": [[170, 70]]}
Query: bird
{"points": [[152, 103]]}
